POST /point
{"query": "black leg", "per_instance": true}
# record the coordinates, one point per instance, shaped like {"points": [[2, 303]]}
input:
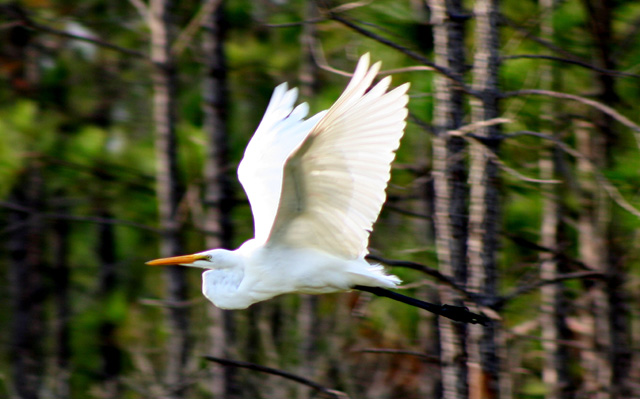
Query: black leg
{"points": [[456, 313]]}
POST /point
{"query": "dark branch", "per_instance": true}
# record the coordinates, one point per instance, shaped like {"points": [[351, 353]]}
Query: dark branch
{"points": [[429, 358], [587, 101], [426, 270], [297, 23], [407, 212], [574, 62], [87, 219], [406, 51], [540, 283], [28, 23], [546, 43], [455, 313], [557, 254], [263, 369]]}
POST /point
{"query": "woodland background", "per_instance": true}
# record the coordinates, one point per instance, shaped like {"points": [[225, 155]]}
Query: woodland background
{"points": [[516, 191]]}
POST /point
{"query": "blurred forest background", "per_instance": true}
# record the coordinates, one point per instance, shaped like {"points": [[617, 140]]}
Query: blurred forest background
{"points": [[516, 191]]}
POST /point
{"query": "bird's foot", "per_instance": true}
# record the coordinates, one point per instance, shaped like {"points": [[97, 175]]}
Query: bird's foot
{"points": [[462, 314]]}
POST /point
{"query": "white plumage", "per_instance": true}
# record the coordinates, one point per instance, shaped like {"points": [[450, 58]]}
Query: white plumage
{"points": [[316, 187]]}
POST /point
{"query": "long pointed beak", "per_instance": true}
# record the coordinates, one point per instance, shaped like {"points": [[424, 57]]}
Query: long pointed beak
{"points": [[177, 260]]}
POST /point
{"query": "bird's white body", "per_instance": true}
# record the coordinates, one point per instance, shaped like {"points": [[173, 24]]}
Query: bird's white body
{"points": [[255, 273], [316, 187]]}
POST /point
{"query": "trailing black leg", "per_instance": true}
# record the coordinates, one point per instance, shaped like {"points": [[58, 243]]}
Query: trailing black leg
{"points": [[456, 313]]}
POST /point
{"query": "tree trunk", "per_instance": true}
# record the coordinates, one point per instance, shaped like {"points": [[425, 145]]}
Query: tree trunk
{"points": [[450, 187], [308, 74], [553, 324], [612, 340], [26, 271], [110, 352], [60, 278], [218, 191], [592, 246], [484, 216], [308, 319], [164, 110]]}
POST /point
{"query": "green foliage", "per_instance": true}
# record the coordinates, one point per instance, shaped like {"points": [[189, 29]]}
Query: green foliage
{"points": [[81, 113]]}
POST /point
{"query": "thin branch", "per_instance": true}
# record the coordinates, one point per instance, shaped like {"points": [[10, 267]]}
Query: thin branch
{"points": [[30, 24], [88, 219], [457, 313], [517, 174], [540, 283], [408, 52], [611, 189], [350, 6], [187, 33], [572, 61], [615, 194], [466, 129], [406, 212], [426, 270], [587, 101], [429, 358], [172, 304], [321, 62], [491, 154], [269, 370], [546, 43], [142, 8], [297, 23], [556, 253], [564, 342]]}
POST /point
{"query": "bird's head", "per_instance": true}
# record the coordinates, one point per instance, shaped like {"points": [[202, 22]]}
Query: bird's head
{"points": [[211, 259]]}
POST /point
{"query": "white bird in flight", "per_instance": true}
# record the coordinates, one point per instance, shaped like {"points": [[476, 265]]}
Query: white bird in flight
{"points": [[316, 186]]}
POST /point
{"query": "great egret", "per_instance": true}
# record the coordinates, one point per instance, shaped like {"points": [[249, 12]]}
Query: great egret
{"points": [[316, 187]]}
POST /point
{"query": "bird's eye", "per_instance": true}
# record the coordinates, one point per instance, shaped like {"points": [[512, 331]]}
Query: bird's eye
{"points": [[209, 257]]}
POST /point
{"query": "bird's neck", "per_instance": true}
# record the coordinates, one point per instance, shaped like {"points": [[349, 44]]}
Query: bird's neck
{"points": [[224, 259]]}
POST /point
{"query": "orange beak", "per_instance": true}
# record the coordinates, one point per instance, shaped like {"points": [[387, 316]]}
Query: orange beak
{"points": [[177, 260]]}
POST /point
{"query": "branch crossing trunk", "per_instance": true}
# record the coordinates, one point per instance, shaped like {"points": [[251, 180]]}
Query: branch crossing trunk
{"points": [[164, 113]]}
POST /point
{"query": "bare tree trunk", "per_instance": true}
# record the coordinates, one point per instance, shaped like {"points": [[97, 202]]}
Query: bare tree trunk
{"points": [[592, 246], [60, 278], [110, 351], [555, 372], [484, 217], [308, 318], [611, 340], [164, 109], [450, 187], [26, 270], [308, 74], [218, 191]]}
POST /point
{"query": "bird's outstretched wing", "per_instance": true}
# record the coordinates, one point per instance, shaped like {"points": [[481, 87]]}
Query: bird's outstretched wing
{"points": [[334, 181], [278, 135]]}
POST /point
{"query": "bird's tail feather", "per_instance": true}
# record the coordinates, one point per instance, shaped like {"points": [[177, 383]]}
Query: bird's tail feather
{"points": [[376, 276]]}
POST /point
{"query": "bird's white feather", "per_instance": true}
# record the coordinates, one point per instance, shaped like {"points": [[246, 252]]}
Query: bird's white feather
{"points": [[334, 182], [316, 187], [280, 132]]}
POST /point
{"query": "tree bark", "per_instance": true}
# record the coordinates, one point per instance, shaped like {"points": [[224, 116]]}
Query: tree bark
{"points": [[218, 190], [449, 173], [484, 216], [611, 340], [553, 324], [164, 111], [592, 247], [60, 278], [308, 319], [308, 75], [110, 351], [26, 271]]}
